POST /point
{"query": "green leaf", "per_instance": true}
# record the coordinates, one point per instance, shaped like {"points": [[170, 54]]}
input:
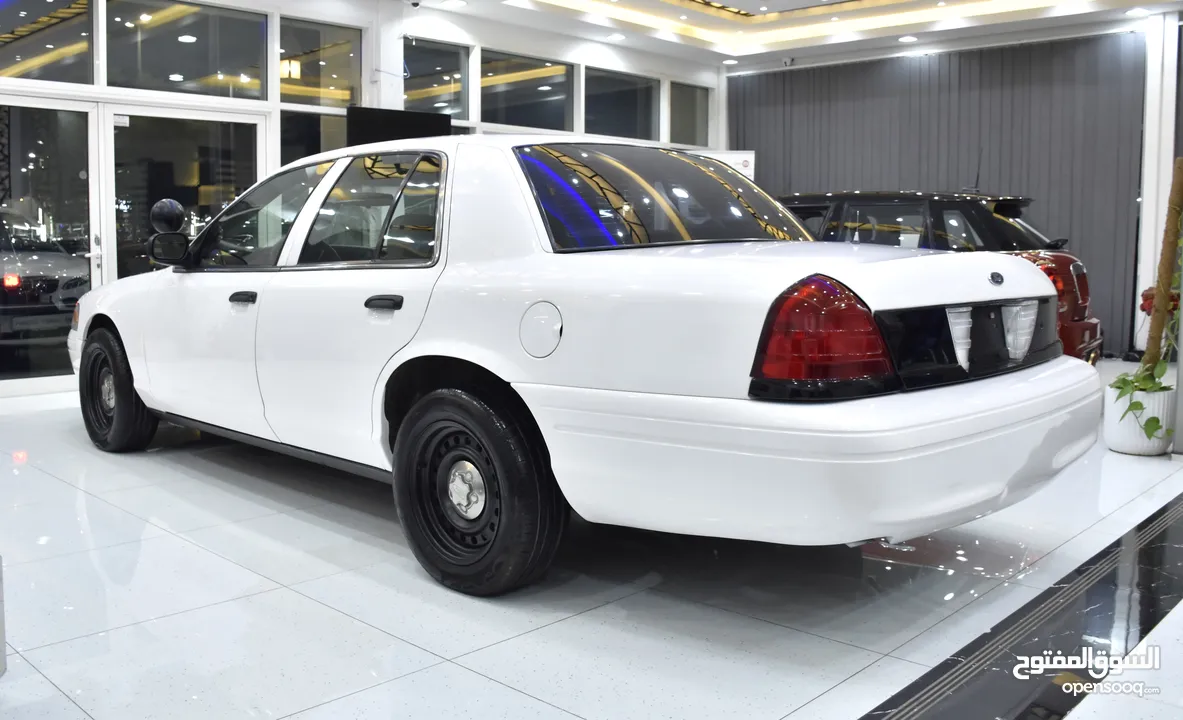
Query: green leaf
{"points": [[1151, 427], [1125, 392], [1135, 407], [1160, 369]]}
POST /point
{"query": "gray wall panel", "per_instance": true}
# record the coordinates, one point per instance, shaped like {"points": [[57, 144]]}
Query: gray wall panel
{"points": [[1060, 122]]}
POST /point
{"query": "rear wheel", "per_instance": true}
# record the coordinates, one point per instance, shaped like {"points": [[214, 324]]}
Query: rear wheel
{"points": [[115, 417], [475, 494]]}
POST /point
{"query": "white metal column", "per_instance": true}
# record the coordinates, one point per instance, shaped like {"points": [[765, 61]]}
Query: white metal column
{"points": [[1158, 153]]}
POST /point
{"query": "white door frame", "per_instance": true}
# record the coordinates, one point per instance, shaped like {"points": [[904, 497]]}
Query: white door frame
{"points": [[107, 113]]}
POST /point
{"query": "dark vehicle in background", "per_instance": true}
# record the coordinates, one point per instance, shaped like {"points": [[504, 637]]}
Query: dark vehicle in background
{"points": [[961, 222]]}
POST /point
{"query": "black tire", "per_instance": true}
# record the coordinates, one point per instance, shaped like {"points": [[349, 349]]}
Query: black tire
{"points": [[116, 420], [519, 520]]}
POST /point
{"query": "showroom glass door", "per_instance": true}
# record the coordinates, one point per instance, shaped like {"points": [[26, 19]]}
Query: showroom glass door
{"points": [[49, 216], [201, 160]]}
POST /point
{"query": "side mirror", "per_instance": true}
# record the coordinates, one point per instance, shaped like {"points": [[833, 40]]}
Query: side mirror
{"points": [[169, 248], [167, 216], [1058, 244]]}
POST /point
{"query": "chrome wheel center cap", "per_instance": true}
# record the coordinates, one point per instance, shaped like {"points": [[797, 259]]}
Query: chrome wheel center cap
{"points": [[107, 391], [466, 489]]}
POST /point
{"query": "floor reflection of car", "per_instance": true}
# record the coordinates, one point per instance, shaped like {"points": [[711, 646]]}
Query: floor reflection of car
{"points": [[42, 281], [959, 221]]}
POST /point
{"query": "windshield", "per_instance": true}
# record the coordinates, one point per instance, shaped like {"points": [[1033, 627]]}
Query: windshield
{"points": [[1015, 234], [597, 196]]}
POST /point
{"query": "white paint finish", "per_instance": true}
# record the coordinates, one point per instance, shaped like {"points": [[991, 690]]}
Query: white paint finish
{"points": [[62, 598], [624, 437], [232, 659], [442, 691], [541, 329], [398, 597], [1158, 151], [609, 662], [845, 472], [25, 694]]}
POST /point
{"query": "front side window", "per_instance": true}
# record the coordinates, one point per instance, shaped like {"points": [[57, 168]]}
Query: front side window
{"points": [[383, 208], [896, 224], [252, 230], [596, 196]]}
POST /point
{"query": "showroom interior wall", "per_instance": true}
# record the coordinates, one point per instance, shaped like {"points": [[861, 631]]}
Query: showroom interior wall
{"points": [[1059, 121]]}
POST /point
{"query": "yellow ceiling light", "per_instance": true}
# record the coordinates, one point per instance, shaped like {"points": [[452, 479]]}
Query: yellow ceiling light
{"points": [[488, 81], [289, 69]]}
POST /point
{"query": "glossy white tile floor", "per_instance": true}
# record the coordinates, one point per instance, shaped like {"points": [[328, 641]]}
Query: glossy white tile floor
{"points": [[205, 579]]}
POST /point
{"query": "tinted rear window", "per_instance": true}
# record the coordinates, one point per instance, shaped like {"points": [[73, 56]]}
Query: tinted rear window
{"points": [[596, 196]]}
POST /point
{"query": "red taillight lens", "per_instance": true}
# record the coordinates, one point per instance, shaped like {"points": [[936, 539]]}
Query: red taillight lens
{"points": [[820, 330], [1057, 279], [12, 280]]}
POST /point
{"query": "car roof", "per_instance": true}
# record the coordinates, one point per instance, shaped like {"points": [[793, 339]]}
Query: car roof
{"points": [[822, 198], [448, 143]]}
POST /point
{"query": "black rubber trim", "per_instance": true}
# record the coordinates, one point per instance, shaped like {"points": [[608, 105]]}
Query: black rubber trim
{"points": [[336, 463]]}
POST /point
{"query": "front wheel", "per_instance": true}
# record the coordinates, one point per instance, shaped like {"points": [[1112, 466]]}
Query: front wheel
{"points": [[115, 417], [475, 494]]}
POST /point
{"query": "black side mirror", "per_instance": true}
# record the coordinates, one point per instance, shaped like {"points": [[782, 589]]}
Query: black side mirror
{"points": [[1058, 244], [167, 216], [170, 248]]}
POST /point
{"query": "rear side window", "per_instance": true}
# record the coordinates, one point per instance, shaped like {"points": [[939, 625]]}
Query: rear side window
{"points": [[597, 196], [811, 216], [897, 225]]}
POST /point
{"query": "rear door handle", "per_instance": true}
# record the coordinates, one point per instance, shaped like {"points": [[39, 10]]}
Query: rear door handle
{"points": [[247, 297], [385, 302]]}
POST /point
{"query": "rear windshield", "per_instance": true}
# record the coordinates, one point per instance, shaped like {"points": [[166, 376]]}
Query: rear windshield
{"points": [[596, 196], [1014, 234]]}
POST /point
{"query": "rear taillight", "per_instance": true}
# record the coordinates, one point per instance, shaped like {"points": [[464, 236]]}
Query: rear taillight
{"points": [[12, 281], [820, 341], [1056, 278]]}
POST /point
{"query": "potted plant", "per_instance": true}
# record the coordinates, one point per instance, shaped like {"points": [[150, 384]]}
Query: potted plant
{"points": [[1139, 406]]}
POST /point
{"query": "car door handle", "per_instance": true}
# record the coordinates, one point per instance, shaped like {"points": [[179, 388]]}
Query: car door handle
{"points": [[247, 297], [385, 302]]}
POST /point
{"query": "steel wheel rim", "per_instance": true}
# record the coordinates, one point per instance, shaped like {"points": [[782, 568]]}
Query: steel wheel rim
{"points": [[459, 528], [99, 403]]}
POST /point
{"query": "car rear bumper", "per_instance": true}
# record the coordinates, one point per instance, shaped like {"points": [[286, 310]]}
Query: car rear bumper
{"points": [[895, 466]]}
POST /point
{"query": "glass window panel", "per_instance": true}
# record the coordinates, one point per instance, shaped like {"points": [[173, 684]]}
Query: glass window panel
{"points": [[690, 114], [620, 104], [898, 225], [303, 134], [435, 78], [46, 42], [44, 236], [319, 64], [525, 91], [252, 231], [186, 48], [203, 165]]}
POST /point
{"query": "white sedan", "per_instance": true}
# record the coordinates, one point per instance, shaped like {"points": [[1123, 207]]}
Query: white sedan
{"points": [[508, 328]]}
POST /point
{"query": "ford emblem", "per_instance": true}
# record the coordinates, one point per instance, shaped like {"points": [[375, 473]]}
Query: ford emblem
{"points": [[996, 278]]}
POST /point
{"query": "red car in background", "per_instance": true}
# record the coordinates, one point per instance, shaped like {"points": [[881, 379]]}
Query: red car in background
{"points": [[958, 221]]}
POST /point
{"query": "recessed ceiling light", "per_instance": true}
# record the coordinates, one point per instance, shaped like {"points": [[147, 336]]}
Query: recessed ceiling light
{"points": [[549, 64], [220, 76], [441, 104], [1137, 12], [833, 19], [544, 88], [332, 87], [615, 37], [763, 9], [488, 74], [176, 77], [281, 50], [49, 46], [730, 61], [908, 39], [681, 17], [334, 77], [129, 24], [85, 34], [145, 18], [187, 39], [455, 75], [941, 3], [118, 20], [439, 68], [244, 78], [23, 13], [322, 62]]}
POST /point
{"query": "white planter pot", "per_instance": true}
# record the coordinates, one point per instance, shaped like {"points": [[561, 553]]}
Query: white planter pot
{"points": [[1126, 435]]}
